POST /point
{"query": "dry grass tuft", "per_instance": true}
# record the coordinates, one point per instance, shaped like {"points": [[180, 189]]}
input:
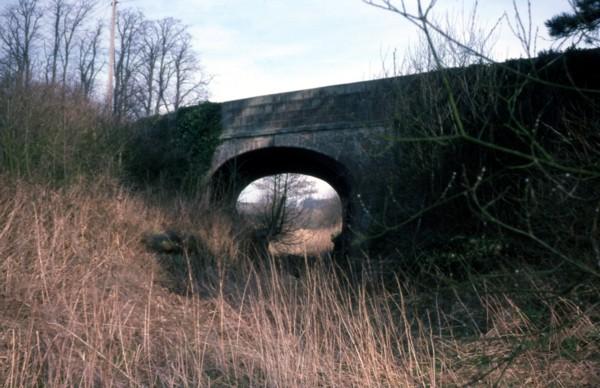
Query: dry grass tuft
{"points": [[84, 303], [308, 242]]}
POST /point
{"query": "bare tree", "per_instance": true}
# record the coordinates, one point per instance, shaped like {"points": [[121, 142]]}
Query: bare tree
{"points": [[169, 74], [88, 66], [190, 81], [170, 31], [156, 69], [57, 9], [18, 33], [73, 19], [68, 20], [149, 60], [129, 24], [279, 212]]}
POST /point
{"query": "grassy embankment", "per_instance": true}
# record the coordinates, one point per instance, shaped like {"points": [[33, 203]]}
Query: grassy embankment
{"points": [[84, 303]]}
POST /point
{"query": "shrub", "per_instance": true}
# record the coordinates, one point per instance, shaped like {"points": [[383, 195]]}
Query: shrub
{"points": [[508, 151], [174, 149], [54, 134]]}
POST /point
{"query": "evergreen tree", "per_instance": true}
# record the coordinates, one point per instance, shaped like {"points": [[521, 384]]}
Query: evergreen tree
{"points": [[583, 23]]}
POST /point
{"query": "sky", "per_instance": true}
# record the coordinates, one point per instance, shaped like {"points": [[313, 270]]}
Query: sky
{"points": [[254, 194], [257, 47]]}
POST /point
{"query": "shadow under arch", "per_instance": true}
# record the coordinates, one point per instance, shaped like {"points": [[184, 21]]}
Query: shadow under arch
{"points": [[231, 177]]}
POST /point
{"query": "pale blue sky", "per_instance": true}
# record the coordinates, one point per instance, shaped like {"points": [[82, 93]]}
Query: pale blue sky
{"points": [[256, 47]]}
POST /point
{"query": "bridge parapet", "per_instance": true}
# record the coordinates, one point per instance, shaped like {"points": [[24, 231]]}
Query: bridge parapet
{"points": [[360, 104]]}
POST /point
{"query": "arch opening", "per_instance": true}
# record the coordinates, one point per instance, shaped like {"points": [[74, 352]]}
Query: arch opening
{"points": [[238, 173], [299, 214]]}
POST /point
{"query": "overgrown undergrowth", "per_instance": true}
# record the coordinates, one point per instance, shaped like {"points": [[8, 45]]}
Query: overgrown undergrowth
{"points": [[83, 302]]}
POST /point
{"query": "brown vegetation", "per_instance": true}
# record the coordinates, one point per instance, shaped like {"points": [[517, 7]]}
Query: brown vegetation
{"points": [[309, 241], [84, 303]]}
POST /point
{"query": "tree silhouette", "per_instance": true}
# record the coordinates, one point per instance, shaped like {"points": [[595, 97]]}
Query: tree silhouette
{"points": [[583, 23], [279, 212]]}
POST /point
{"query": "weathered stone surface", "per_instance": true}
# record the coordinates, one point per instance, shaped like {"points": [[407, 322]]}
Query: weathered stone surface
{"points": [[335, 133]]}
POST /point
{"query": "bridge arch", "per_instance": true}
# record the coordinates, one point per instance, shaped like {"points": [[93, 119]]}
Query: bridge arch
{"points": [[233, 175]]}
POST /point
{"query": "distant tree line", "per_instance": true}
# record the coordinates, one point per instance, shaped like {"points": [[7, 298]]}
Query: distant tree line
{"points": [[62, 43], [55, 122]]}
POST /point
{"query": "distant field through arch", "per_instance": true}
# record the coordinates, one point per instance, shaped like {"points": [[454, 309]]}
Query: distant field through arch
{"points": [[305, 212], [240, 179]]}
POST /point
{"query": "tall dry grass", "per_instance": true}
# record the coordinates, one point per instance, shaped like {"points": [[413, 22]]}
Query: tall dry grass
{"points": [[308, 241], [84, 303]]}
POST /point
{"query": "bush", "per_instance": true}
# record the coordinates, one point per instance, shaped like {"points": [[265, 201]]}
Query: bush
{"points": [[508, 151], [174, 149], [53, 134]]}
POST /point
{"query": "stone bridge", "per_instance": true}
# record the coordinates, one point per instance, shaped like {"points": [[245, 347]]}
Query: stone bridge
{"points": [[344, 134], [336, 133]]}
